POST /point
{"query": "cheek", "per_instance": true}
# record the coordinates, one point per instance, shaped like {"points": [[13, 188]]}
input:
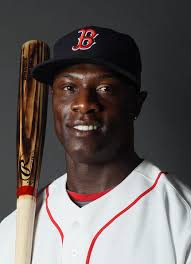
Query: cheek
{"points": [[121, 120], [58, 113], [119, 113]]}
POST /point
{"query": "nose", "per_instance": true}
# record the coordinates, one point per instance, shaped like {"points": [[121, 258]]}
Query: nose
{"points": [[85, 102]]}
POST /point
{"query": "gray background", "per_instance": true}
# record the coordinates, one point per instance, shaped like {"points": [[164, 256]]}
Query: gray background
{"points": [[162, 31]]}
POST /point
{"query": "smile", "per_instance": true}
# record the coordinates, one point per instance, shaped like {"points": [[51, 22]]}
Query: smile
{"points": [[86, 128], [85, 131]]}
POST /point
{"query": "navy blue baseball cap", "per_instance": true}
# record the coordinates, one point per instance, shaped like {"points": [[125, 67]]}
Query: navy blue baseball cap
{"points": [[97, 45]]}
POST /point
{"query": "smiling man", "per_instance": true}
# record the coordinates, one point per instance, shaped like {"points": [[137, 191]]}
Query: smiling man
{"points": [[111, 206], [94, 109]]}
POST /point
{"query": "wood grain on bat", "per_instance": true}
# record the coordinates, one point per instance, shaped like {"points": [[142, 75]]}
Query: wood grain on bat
{"points": [[31, 118]]}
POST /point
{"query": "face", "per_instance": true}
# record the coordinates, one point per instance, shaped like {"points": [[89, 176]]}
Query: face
{"points": [[91, 94]]}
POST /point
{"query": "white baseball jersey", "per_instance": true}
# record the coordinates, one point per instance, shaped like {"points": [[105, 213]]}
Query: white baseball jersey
{"points": [[144, 219]]}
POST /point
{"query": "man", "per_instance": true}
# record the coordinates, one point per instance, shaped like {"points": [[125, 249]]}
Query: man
{"points": [[111, 206]]}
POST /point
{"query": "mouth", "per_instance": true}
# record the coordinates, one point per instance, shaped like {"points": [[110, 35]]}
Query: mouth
{"points": [[85, 133], [85, 128]]}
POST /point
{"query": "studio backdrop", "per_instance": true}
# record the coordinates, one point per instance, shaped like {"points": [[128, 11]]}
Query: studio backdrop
{"points": [[162, 31]]}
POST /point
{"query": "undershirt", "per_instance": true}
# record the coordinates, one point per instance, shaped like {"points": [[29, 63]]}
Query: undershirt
{"points": [[82, 199]]}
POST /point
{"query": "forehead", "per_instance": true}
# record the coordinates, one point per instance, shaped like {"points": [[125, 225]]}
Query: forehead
{"points": [[86, 69]]}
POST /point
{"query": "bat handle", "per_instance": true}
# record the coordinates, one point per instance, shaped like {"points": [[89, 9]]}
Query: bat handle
{"points": [[25, 215]]}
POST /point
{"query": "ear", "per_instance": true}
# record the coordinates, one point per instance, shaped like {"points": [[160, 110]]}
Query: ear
{"points": [[140, 100]]}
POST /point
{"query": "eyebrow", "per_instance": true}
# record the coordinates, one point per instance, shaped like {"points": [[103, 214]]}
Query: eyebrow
{"points": [[106, 75]]}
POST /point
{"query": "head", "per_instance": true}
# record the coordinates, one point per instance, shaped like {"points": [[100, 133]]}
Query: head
{"points": [[93, 93], [94, 78]]}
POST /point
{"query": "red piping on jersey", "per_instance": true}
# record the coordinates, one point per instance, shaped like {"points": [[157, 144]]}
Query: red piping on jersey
{"points": [[51, 217], [117, 215]]}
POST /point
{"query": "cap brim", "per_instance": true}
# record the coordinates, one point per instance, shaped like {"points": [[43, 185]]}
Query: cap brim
{"points": [[44, 72]]}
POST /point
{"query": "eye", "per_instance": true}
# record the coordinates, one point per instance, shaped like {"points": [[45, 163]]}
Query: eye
{"points": [[104, 88], [67, 88]]}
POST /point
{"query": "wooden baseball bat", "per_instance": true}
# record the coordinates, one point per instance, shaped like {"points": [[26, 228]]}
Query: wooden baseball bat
{"points": [[31, 123]]}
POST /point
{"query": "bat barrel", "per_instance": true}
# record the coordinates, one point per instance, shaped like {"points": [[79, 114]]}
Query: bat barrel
{"points": [[31, 124]]}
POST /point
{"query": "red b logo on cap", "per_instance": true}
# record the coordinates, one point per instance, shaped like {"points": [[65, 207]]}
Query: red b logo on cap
{"points": [[86, 39]]}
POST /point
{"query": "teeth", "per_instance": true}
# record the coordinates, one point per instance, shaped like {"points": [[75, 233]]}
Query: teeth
{"points": [[86, 128]]}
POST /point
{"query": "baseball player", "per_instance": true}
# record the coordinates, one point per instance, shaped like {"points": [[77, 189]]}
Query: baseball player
{"points": [[111, 206]]}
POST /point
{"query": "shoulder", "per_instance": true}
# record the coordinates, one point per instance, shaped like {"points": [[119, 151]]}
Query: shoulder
{"points": [[7, 238], [178, 192], [8, 224], [172, 201], [181, 189], [8, 221], [170, 196], [176, 197], [168, 185], [170, 204]]}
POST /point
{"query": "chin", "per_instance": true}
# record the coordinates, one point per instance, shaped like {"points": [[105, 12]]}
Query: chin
{"points": [[96, 155], [83, 157]]}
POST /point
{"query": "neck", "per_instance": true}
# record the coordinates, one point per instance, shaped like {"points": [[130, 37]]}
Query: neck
{"points": [[92, 178]]}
